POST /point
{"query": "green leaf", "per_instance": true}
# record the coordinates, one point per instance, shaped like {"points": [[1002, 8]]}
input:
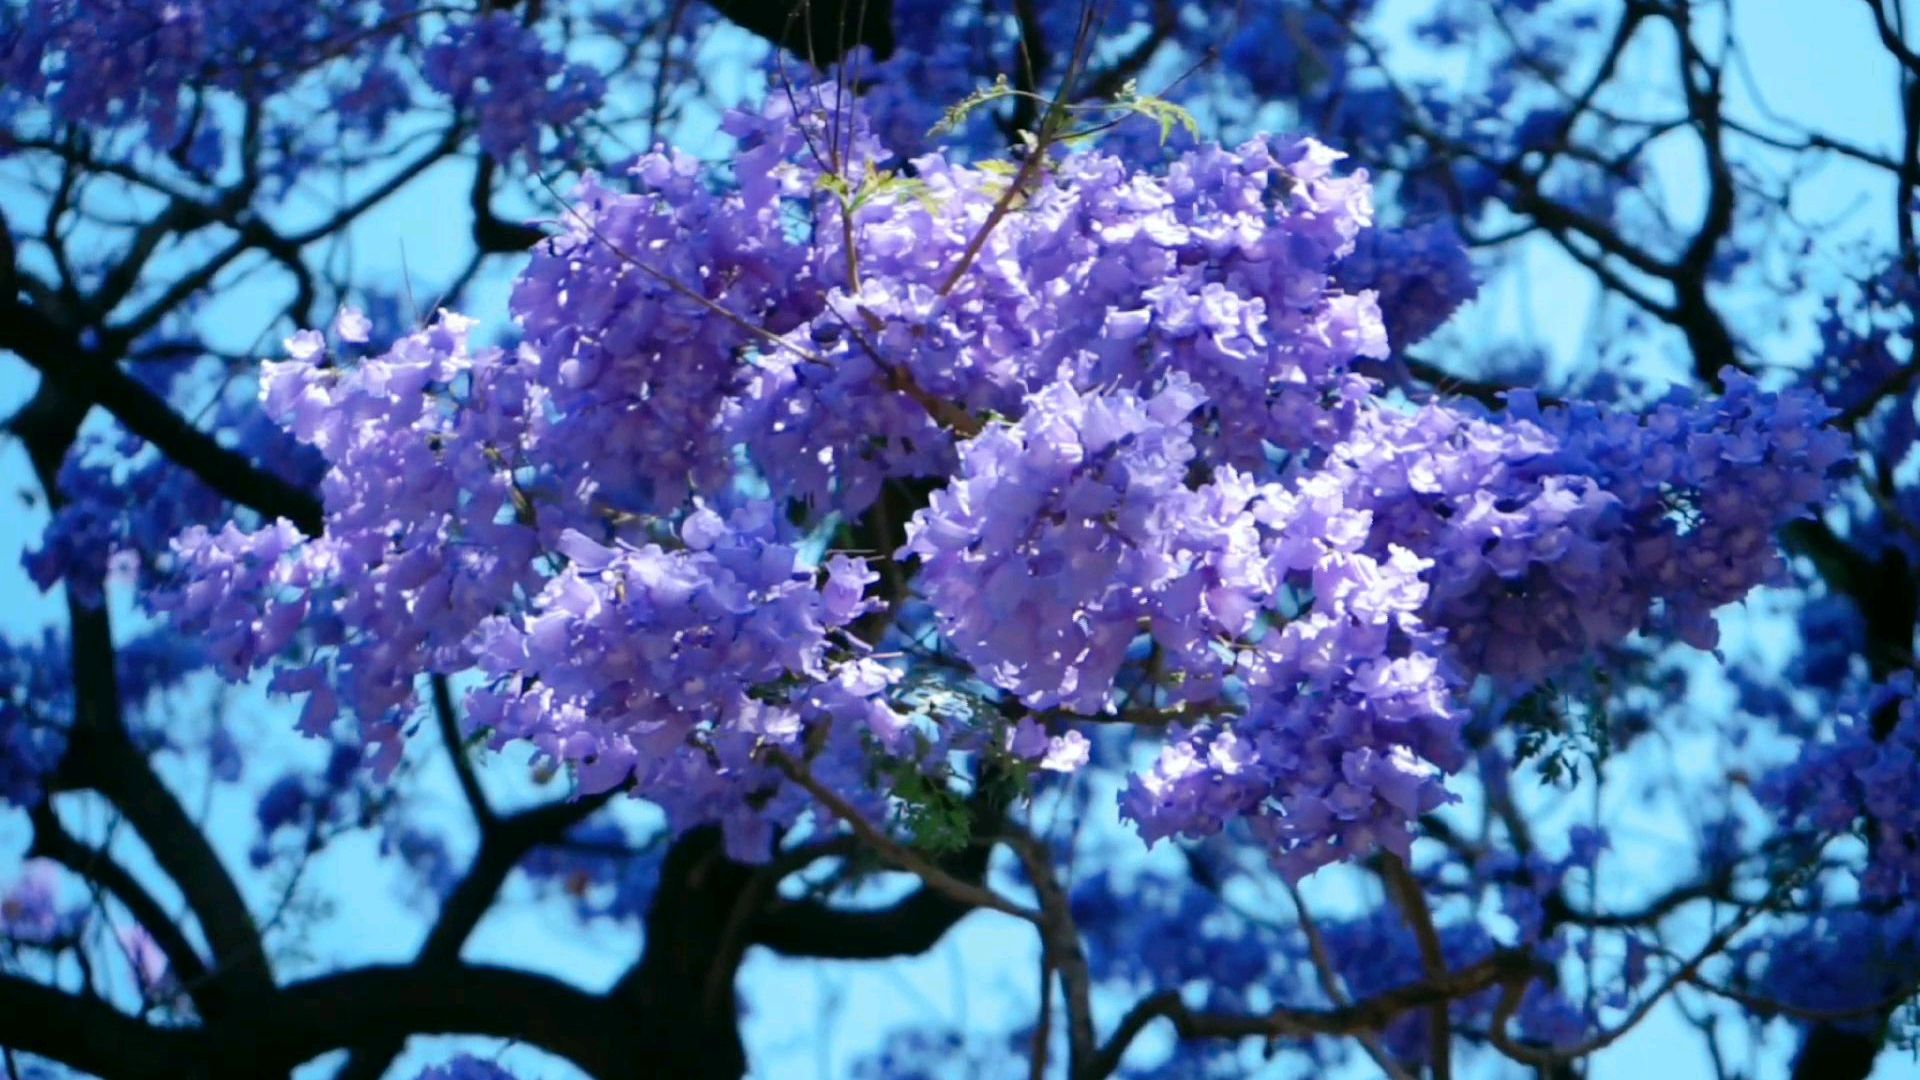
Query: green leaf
{"points": [[958, 112], [936, 819], [1161, 111], [879, 183]]}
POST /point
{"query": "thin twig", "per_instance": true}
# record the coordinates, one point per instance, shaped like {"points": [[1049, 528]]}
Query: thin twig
{"points": [[895, 852]]}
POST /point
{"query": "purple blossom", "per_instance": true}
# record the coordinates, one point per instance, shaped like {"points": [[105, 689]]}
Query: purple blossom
{"points": [[1420, 274], [150, 968], [498, 70], [465, 1067], [29, 909], [352, 325], [1158, 484], [1865, 777]]}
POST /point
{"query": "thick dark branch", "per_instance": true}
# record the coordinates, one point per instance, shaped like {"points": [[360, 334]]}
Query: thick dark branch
{"points": [[1412, 901], [275, 1032], [1881, 587], [1370, 1014], [1883, 24], [101, 755], [684, 982], [817, 31], [447, 719], [490, 232], [9, 279], [1060, 943], [503, 843], [85, 1033], [907, 927], [52, 841], [1831, 1052], [91, 378], [103, 758], [308, 1019]]}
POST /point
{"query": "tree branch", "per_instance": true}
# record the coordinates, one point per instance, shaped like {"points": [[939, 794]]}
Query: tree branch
{"points": [[102, 757], [1370, 1014], [1060, 940], [447, 719], [899, 854], [52, 841], [93, 378], [86, 1033], [1433, 960], [504, 842], [817, 31]]}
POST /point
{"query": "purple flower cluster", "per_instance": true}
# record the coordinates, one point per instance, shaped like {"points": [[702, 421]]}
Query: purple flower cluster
{"points": [[1349, 721], [1842, 967], [1705, 484], [1544, 534], [1028, 741], [1166, 488], [498, 70], [638, 316], [1420, 276], [1334, 767], [30, 909], [1557, 531], [1060, 537], [1865, 776], [465, 1067], [124, 62], [678, 669], [1108, 277], [122, 505], [424, 537]]}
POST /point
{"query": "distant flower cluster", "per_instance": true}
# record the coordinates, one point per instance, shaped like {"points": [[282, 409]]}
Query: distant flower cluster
{"points": [[497, 70], [1864, 776]]}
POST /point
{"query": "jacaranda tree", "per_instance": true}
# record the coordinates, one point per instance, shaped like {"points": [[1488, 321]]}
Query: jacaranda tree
{"points": [[861, 467]]}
